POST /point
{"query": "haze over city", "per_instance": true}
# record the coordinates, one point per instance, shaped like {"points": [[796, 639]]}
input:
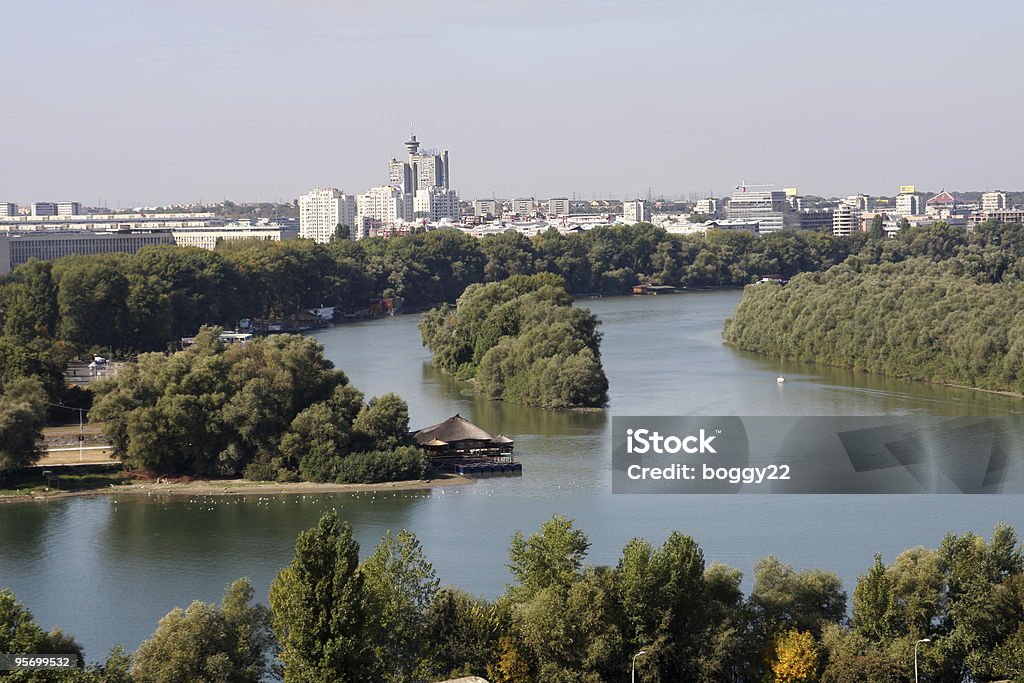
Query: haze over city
{"points": [[130, 104]]}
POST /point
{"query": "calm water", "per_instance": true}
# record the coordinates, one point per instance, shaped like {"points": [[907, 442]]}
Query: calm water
{"points": [[107, 568]]}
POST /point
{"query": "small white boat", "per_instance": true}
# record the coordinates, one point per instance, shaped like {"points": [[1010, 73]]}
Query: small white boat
{"points": [[780, 379]]}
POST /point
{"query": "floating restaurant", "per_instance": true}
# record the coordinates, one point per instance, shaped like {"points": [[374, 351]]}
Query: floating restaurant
{"points": [[465, 448]]}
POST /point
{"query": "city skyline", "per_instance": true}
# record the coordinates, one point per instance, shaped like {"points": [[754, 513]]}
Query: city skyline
{"points": [[130, 105]]}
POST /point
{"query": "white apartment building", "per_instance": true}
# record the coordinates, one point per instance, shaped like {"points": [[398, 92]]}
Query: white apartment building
{"points": [[44, 209], [69, 209], [523, 206], [322, 210], [993, 201], [381, 205], [486, 208], [908, 204], [8, 209], [845, 220], [558, 206], [636, 211], [436, 203], [861, 202], [706, 206]]}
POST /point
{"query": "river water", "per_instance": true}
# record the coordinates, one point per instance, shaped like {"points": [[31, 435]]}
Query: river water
{"points": [[107, 568]]}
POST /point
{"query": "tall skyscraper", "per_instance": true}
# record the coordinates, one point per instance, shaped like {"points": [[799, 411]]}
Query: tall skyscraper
{"points": [[322, 210], [429, 169]]}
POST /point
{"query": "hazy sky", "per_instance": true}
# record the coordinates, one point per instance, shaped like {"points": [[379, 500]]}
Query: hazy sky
{"points": [[153, 101]]}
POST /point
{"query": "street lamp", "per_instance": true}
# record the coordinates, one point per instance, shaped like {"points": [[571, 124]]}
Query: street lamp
{"points": [[923, 640], [632, 676]]}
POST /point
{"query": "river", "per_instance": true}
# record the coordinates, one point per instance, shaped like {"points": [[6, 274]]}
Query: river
{"points": [[107, 568]]}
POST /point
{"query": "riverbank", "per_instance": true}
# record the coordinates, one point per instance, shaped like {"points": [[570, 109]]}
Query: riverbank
{"points": [[230, 487]]}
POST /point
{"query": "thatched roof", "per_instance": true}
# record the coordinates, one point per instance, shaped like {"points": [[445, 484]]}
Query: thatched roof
{"points": [[501, 438], [455, 428]]}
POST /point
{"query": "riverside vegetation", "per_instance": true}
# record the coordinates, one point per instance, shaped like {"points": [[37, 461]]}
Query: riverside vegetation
{"points": [[332, 617], [934, 305], [273, 408], [521, 340]]}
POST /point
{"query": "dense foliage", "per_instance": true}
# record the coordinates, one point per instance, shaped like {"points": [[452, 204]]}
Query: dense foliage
{"points": [[22, 414], [270, 408], [933, 305], [521, 340], [335, 618]]}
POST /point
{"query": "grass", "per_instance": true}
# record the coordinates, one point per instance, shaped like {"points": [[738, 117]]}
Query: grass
{"points": [[32, 482]]}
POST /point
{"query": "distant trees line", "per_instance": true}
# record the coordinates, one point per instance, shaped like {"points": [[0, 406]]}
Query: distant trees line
{"points": [[521, 340], [935, 305], [386, 618]]}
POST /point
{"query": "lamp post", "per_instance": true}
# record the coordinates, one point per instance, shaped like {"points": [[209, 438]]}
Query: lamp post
{"points": [[632, 675], [923, 640]]}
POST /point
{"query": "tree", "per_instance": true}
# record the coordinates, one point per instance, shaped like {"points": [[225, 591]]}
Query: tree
{"points": [[19, 632], [550, 558], [317, 605], [399, 586], [383, 424], [22, 416], [205, 642], [797, 658]]}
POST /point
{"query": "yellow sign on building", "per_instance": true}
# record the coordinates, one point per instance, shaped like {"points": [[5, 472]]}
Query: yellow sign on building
{"points": [[790, 191], [908, 189]]}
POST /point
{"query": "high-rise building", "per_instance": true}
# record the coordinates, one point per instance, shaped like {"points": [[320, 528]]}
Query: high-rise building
{"points": [[381, 205], [69, 209], [558, 206], [44, 209], [8, 209], [770, 209], [436, 203], [429, 169], [400, 176], [908, 204], [322, 210], [845, 220], [993, 201], [861, 202]]}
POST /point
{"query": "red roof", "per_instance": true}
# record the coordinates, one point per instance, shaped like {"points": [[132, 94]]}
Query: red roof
{"points": [[942, 198]]}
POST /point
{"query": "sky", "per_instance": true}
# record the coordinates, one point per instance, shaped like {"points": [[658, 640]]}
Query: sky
{"points": [[127, 103]]}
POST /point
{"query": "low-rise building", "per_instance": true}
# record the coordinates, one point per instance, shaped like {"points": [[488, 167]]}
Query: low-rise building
{"points": [[207, 238], [18, 247], [558, 206]]}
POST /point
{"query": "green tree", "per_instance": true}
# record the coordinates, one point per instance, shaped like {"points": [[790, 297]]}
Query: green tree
{"points": [[317, 606], [550, 558], [205, 642], [22, 416], [399, 586]]}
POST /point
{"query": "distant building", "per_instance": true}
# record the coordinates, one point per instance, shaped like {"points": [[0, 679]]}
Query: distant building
{"points": [[44, 209], [558, 206], [908, 204], [636, 211], [770, 209], [322, 210], [524, 206], [941, 205], [207, 238], [1004, 216], [436, 203], [400, 176], [486, 208], [8, 209], [429, 169], [861, 202], [993, 201], [735, 226], [20, 246], [845, 220], [69, 208], [819, 220], [380, 206], [707, 206]]}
